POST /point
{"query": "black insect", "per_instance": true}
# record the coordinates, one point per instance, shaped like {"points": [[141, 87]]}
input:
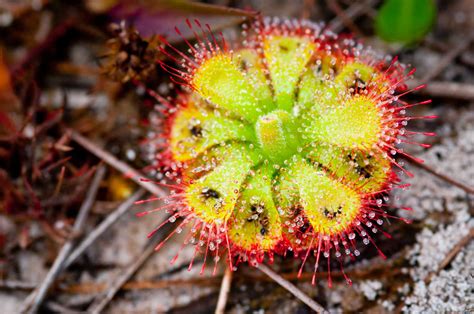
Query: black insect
{"points": [[264, 222], [296, 210], [258, 217], [359, 85], [256, 212], [244, 65], [332, 214], [284, 48], [210, 193], [196, 131], [304, 227], [364, 171]]}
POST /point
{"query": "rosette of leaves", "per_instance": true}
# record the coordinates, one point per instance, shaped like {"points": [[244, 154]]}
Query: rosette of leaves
{"points": [[286, 142]]}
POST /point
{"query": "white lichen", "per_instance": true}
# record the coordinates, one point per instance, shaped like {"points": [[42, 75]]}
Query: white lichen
{"points": [[432, 247], [388, 305], [449, 291], [370, 288]]}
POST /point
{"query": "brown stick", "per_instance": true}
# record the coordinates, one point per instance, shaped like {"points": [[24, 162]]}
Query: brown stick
{"points": [[346, 20], [308, 7], [447, 59], [94, 288], [59, 308], [224, 291], [91, 288], [292, 289], [117, 164], [447, 259], [443, 177], [103, 226], [17, 285], [102, 301], [354, 11], [43, 46], [462, 91], [452, 254], [34, 300]]}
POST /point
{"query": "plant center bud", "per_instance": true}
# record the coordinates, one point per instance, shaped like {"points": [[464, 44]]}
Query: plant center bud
{"points": [[277, 135]]}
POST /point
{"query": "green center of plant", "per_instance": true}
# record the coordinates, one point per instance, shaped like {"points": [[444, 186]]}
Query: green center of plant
{"points": [[277, 136]]}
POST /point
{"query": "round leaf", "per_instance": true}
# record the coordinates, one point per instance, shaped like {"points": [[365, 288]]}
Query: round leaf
{"points": [[405, 21]]}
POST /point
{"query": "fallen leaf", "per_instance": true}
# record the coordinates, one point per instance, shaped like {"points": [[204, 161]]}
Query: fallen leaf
{"points": [[161, 17]]}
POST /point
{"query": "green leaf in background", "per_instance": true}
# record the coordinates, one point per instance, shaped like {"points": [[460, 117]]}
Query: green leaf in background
{"points": [[405, 21]]}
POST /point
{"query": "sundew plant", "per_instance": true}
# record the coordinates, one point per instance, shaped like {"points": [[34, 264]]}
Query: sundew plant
{"points": [[284, 142]]}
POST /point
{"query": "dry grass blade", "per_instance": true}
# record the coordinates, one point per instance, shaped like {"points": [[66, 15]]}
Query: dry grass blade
{"points": [[42, 47], [201, 8], [464, 91], [94, 288], [34, 300], [292, 289], [443, 177], [58, 308], [224, 291], [447, 259], [447, 59], [103, 226], [354, 11], [102, 301], [334, 6], [452, 253], [117, 164], [16, 285]]}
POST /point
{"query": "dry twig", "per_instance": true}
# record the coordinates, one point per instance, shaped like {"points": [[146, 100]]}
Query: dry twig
{"points": [[443, 177], [453, 90], [59, 308], [102, 301], [35, 53], [34, 300], [117, 164], [452, 254], [341, 14], [447, 259], [103, 226], [94, 288], [447, 59], [224, 291], [292, 289], [308, 7], [354, 11], [16, 285]]}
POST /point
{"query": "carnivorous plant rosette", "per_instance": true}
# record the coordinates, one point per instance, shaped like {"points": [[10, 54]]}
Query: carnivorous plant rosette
{"points": [[286, 142]]}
